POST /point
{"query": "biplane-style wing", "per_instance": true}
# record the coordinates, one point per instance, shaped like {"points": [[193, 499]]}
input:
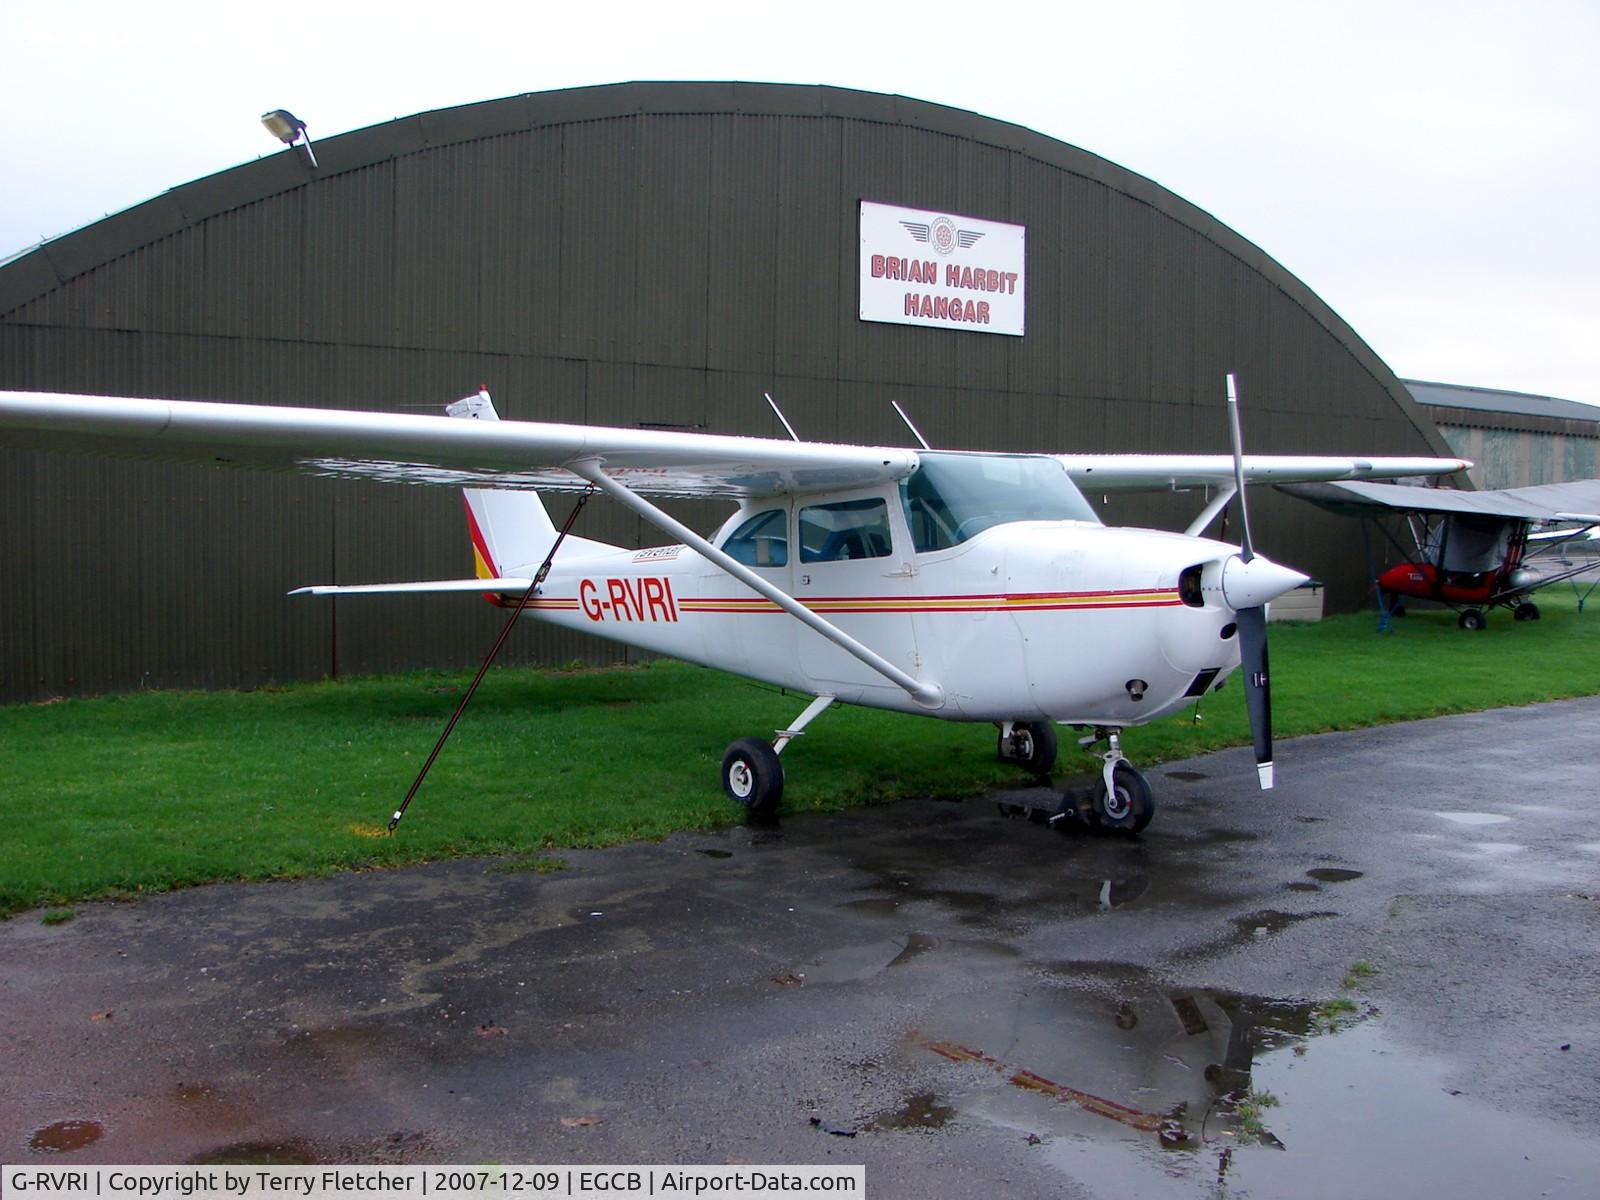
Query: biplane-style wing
{"points": [[1577, 501]]}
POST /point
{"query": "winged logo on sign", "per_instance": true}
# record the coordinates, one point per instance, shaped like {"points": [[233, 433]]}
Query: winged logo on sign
{"points": [[942, 234]]}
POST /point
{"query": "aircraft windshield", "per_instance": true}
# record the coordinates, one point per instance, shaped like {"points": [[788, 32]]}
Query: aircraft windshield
{"points": [[952, 497], [1470, 544]]}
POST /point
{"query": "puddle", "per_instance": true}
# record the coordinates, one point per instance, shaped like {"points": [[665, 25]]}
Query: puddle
{"points": [[1334, 874], [921, 1112], [1114, 893], [971, 907], [717, 853], [1132, 1087], [850, 963], [1262, 924], [1187, 776], [1414, 1136], [63, 1137], [1474, 818]]}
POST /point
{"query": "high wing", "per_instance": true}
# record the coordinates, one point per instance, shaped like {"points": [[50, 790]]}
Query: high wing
{"points": [[411, 448], [1170, 472], [419, 449], [1576, 501]]}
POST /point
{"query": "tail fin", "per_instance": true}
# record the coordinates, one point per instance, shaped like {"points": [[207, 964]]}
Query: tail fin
{"points": [[511, 532]]}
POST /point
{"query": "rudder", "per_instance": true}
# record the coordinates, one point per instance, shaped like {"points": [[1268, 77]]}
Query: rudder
{"points": [[511, 531]]}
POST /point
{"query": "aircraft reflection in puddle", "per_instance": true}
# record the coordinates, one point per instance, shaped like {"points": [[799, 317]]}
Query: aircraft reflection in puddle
{"points": [[1175, 1064], [1132, 1088]]}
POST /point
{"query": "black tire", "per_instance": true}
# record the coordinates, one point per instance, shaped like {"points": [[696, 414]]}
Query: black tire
{"points": [[1526, 611], [1032, 746], [1471, 619], [1131, 807], [753, 776]]}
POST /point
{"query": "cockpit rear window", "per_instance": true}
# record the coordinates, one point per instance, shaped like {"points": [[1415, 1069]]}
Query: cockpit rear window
{"points": [[762, 541], [953, 497]]}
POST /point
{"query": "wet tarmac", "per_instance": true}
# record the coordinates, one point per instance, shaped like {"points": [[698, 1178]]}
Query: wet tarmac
{"points": [[1379, 980]]}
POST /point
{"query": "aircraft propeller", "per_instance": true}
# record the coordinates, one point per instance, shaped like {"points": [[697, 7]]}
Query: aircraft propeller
{"points": [[1248, 581]]}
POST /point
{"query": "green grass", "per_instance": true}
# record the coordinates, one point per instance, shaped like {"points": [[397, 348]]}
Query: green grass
{"points": [[1360, 971], [124, 795]]}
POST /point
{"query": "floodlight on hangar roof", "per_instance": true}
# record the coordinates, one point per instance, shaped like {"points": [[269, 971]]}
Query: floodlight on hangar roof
{"points": [[289, 129]]}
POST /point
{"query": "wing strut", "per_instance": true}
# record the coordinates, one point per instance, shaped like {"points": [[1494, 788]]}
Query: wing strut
{"points": [[1197, 527], [929, 695], [538, 578]]}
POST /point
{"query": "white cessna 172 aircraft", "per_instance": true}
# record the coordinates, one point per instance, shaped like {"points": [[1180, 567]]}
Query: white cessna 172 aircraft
{"points": [[964, 585]]}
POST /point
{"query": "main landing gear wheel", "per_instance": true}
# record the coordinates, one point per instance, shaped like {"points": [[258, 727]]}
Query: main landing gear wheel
{"points": [[1130, 804], [1471, 619], [753, 776], [1031, 745], [1526, 611]]}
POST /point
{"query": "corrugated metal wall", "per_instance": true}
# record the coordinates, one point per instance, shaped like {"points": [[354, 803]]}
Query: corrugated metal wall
{"points": [[642, 254]]}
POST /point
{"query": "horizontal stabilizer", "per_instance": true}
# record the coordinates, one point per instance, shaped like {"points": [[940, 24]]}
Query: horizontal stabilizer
{"points": [[510, 586]]}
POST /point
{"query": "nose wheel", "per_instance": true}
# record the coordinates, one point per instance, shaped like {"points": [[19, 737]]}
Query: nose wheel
{"points": [[1122, 796], [1127, 804]]}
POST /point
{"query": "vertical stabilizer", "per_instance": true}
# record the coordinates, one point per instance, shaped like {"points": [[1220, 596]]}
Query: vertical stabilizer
{"points": [[511, 532]]}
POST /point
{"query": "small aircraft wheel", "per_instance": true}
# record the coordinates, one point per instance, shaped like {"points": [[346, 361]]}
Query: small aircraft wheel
{"points": [[753, 776], [1471, 619], [1130, 806], [1526, 611], [1032, 746]]}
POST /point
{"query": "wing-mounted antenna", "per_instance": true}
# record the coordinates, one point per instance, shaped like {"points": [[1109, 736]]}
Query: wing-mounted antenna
{"points": [[915, 432], [792, 434]]}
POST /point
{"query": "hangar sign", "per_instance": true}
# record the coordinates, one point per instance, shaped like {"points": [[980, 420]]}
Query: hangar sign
{"points": [[951, 272]]}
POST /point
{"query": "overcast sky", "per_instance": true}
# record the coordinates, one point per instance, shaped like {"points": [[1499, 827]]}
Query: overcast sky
{"points": [[1430, 169]]}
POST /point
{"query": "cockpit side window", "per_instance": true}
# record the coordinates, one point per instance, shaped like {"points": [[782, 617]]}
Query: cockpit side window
{"points": [[762, 541], [953, 497], [847, 530]]}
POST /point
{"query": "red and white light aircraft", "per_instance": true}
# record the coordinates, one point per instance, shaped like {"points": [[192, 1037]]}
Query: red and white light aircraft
{"points": [[967, 586]]}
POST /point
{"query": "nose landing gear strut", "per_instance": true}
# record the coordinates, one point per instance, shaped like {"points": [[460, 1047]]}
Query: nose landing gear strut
{"points": [[1122, 798]]}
